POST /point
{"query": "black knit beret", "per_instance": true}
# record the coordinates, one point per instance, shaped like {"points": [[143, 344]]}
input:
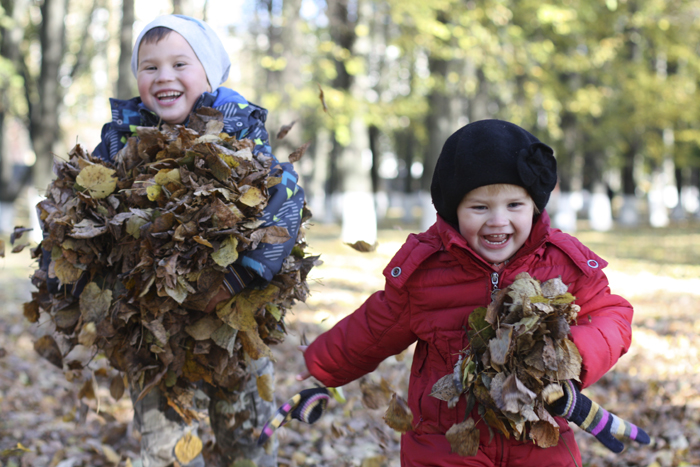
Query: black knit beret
{"points": [[488, 152]]}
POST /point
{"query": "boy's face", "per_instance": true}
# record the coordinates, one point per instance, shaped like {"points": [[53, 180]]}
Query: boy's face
{"points": [[496, 222], [170, 78]]}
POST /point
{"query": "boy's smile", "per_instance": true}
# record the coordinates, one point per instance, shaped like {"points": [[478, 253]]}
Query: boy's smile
{"points": [[170, 77], [496, 220]]}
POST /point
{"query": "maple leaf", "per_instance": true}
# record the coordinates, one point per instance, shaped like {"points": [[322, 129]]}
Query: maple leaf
{"points": [[399, 416]]}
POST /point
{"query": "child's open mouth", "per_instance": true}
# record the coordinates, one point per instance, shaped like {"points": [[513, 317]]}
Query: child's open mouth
{"points": [[498, 239], [168, 96]]}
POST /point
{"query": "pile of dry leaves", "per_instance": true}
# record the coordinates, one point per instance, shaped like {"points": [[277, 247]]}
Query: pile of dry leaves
{"points": [[147, 241], [519, 353]]}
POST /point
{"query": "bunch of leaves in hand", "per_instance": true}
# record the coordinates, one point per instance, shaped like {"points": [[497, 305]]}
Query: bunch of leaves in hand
{"points": [[519, 353], [146, 241]]}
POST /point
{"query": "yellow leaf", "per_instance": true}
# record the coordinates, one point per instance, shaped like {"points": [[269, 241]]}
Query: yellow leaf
{"points": [[187, 448], [154, 191], [65, 271], [110, 454], [98, 180], [265, 389], [227, 252], [253, 344], [134, 224], [165, 176], [88, 334], [202, 241], [252, 197]]}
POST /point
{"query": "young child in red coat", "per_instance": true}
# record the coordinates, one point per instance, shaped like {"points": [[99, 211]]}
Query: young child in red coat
{"points": [[490, 188]]}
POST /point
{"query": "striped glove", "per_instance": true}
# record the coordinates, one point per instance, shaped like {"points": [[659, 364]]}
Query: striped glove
{"points": [[594, 419], [307, 406]]}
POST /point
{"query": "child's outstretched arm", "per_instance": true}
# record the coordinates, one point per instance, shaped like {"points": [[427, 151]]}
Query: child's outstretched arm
{"points": [[594, 419], [355, 346]]}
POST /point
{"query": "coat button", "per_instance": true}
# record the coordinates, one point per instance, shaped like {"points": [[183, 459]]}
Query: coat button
{"points": [[592, 263], [396, 272]]}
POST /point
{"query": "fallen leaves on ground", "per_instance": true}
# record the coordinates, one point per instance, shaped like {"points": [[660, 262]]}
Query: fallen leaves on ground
{"points": [[655, 385]]}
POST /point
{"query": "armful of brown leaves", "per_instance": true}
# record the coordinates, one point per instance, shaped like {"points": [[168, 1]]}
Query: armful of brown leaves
{"points": [[154, 233], [519, 353]]}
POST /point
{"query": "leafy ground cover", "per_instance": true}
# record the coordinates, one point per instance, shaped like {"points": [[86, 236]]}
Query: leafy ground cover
{"points": [[44, 423]]}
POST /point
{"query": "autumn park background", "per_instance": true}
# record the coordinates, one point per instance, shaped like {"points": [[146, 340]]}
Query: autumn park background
{"points": [[376, 87]]}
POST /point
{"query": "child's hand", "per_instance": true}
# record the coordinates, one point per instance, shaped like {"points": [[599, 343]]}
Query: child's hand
{"points": [[307, 406], [594, 419], [305, 373]]}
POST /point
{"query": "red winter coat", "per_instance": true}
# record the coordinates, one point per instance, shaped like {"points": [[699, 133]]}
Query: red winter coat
{"points": [[432, 285]]}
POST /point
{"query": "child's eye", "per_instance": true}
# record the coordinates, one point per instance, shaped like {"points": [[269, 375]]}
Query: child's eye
{"points": [[515, 205], [479, 208], [180, 64]]}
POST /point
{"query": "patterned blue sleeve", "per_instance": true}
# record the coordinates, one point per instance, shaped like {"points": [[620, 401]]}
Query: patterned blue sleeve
{"points": [[286, 199]]}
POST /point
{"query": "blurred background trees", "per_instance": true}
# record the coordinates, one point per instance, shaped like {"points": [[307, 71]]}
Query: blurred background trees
{"points": [[376, 86]]}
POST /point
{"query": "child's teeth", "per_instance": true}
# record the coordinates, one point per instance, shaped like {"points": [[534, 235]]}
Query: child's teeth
{"points": [[496, 239]]}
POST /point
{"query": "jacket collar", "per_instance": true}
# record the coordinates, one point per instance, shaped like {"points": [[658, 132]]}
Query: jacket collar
{"points": [[454, 242]]}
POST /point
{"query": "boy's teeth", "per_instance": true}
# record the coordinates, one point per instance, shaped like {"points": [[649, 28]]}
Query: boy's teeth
{"points": [[168, 95]]}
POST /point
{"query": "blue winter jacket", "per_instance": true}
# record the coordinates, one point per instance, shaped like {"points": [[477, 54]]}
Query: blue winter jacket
{"points": [[242, 120]]}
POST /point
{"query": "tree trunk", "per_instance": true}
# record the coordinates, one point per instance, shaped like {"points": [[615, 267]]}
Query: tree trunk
{"points": [[441, 123], [44, 126], [10, 38], [125, 81]]}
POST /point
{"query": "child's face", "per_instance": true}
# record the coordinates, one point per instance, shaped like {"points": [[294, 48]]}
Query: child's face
{"points": [[170, 78], [496, 222]]}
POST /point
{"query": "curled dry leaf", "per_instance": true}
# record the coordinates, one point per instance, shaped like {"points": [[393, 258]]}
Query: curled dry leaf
{"points": [[285, 129], [299, 152], [362, 246], [464, 438], [47, 347], [399, 416]]}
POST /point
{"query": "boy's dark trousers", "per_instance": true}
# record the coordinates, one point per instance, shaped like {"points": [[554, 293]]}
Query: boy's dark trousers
{"points": [[161, 427]]}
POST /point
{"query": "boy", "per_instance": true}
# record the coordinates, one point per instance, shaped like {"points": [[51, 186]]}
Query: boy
{"points": [[490, 188], [180, 64]]}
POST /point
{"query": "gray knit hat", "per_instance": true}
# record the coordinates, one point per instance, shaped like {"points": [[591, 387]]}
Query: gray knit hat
{"points": [[203, 40], [488, 152]]}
